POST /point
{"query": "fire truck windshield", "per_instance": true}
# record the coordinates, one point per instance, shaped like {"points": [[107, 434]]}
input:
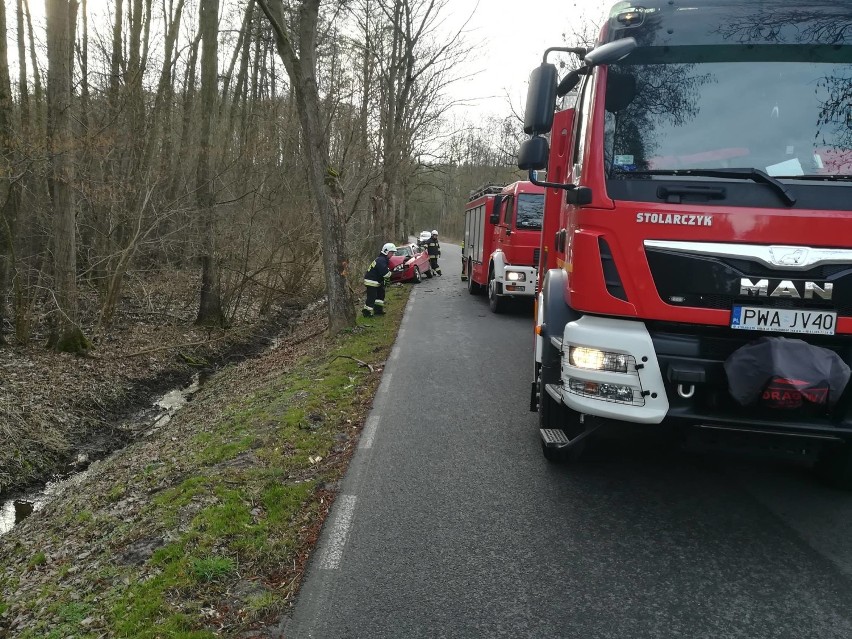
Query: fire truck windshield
{"points": [[788, 118], [530, 211]]}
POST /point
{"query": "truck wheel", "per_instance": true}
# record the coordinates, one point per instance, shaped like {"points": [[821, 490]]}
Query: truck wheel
{"points": [[417, 275], [497, 303], [834, 466], [472, 287]]}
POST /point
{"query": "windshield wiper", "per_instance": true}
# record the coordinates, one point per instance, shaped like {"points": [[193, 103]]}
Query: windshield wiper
{"points": [[819, 176], [756, 175]]}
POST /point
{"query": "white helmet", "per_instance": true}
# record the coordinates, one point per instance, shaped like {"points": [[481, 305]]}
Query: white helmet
{"points": [[434, 231], [390, 247]]}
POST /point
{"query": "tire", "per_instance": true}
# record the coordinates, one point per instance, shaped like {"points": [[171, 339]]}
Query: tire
{"points": [[418, 277], [497, 303], [834, 466], [472, 287]]}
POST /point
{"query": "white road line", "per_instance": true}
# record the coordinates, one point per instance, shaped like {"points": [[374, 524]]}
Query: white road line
{"points": [[383, 387], [369, 432], [333, 553]]}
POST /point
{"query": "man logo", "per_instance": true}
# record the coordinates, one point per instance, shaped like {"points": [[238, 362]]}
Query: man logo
{"points": [[786, 288]]}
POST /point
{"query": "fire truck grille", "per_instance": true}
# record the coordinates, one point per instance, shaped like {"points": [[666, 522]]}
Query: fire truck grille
{"points": [[703, 281]]}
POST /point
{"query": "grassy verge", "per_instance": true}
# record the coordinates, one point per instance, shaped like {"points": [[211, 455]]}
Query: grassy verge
{"points": [[203, 530]]}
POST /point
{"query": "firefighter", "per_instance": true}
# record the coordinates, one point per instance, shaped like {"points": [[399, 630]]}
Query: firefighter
{"points": [[464, 264], [434, 250], [375, 279]]}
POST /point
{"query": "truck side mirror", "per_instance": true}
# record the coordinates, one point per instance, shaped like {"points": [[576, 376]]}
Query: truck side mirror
{"points": [[541, 99], [533, 154]]}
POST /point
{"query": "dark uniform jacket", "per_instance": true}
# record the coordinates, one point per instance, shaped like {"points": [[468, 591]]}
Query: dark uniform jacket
{"points": [[379, 272], [433, 247]]}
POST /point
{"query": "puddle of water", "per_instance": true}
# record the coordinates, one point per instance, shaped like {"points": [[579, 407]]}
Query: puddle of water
{"points": [[16, 508], [172, 402], [14, 511]]}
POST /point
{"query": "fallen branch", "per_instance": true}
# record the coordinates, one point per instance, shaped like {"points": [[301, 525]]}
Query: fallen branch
{"points": [[171, 347], [355, 359], [296, 342]]}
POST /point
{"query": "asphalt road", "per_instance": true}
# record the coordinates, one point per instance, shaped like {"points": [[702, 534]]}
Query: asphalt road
{"points": [[451, 524]]}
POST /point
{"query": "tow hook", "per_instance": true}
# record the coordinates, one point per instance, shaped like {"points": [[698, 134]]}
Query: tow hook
{"points": [[686, 390]]}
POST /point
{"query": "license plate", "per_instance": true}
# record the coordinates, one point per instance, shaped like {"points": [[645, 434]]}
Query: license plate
{"points": [[783, 320]]}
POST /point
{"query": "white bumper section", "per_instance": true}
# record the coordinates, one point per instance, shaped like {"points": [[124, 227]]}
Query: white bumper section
{"points": [[602, 392], [525, 283]]}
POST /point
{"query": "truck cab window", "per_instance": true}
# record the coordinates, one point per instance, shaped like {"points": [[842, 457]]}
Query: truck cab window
{"points": [[784, 132], [530, 211]]}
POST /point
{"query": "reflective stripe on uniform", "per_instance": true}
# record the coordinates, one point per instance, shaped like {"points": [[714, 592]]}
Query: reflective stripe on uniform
{"points": [[380, 302], [372, 283]]}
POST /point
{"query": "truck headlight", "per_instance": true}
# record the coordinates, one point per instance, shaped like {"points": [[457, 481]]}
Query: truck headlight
{"points": [[597, 360], [512, 276]]}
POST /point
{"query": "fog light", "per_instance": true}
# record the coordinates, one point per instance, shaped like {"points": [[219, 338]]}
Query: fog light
{"points": [[516, 277], [601, 390], [596, 360]]}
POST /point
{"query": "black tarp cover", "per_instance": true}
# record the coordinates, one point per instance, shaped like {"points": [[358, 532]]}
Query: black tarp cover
{"points": [[785, 373]]}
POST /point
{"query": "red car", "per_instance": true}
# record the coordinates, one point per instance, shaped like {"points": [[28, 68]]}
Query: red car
{"points": [[415, 261]]}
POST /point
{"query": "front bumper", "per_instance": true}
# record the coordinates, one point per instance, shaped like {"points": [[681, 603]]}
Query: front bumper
{"points": [[404, 275], [518, 281], [677, 375]]}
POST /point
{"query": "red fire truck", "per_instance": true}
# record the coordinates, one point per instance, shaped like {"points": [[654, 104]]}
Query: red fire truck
{"points": [[502, 233], [696, 258]]}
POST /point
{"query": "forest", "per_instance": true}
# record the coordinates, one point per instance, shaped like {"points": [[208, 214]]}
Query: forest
{"points": [[179, 173], [224, 147]]}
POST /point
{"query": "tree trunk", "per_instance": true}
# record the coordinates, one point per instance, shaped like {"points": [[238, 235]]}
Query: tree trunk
{"points": [[323, 180], [9, 212], [210, 306], [61, 21]]}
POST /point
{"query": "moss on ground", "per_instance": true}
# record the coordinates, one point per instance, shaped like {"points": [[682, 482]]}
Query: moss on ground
{"points": [[235, 507]]}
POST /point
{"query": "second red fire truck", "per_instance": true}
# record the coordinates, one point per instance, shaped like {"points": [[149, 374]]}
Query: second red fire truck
{"points": [[502, 234]]}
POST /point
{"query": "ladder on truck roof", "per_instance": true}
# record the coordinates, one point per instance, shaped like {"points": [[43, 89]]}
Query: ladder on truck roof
{"points": [[488, 189]]}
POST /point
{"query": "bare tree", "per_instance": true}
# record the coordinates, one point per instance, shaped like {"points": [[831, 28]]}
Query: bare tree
{"points": [[8, 188], [297, 47], [61, 21], [414, 67], [210, 307]]}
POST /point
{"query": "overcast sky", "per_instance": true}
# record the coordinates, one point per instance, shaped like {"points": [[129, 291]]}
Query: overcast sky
{"points": [[509, 37], [512, 36]]}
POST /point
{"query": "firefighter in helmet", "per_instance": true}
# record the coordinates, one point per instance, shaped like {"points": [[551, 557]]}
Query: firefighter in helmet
{"points": [[434, 250], [375, 279]]}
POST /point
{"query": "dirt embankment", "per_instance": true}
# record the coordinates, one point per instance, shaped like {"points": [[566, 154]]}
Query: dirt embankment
{"points": [[55, 406], [202, 527]]}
